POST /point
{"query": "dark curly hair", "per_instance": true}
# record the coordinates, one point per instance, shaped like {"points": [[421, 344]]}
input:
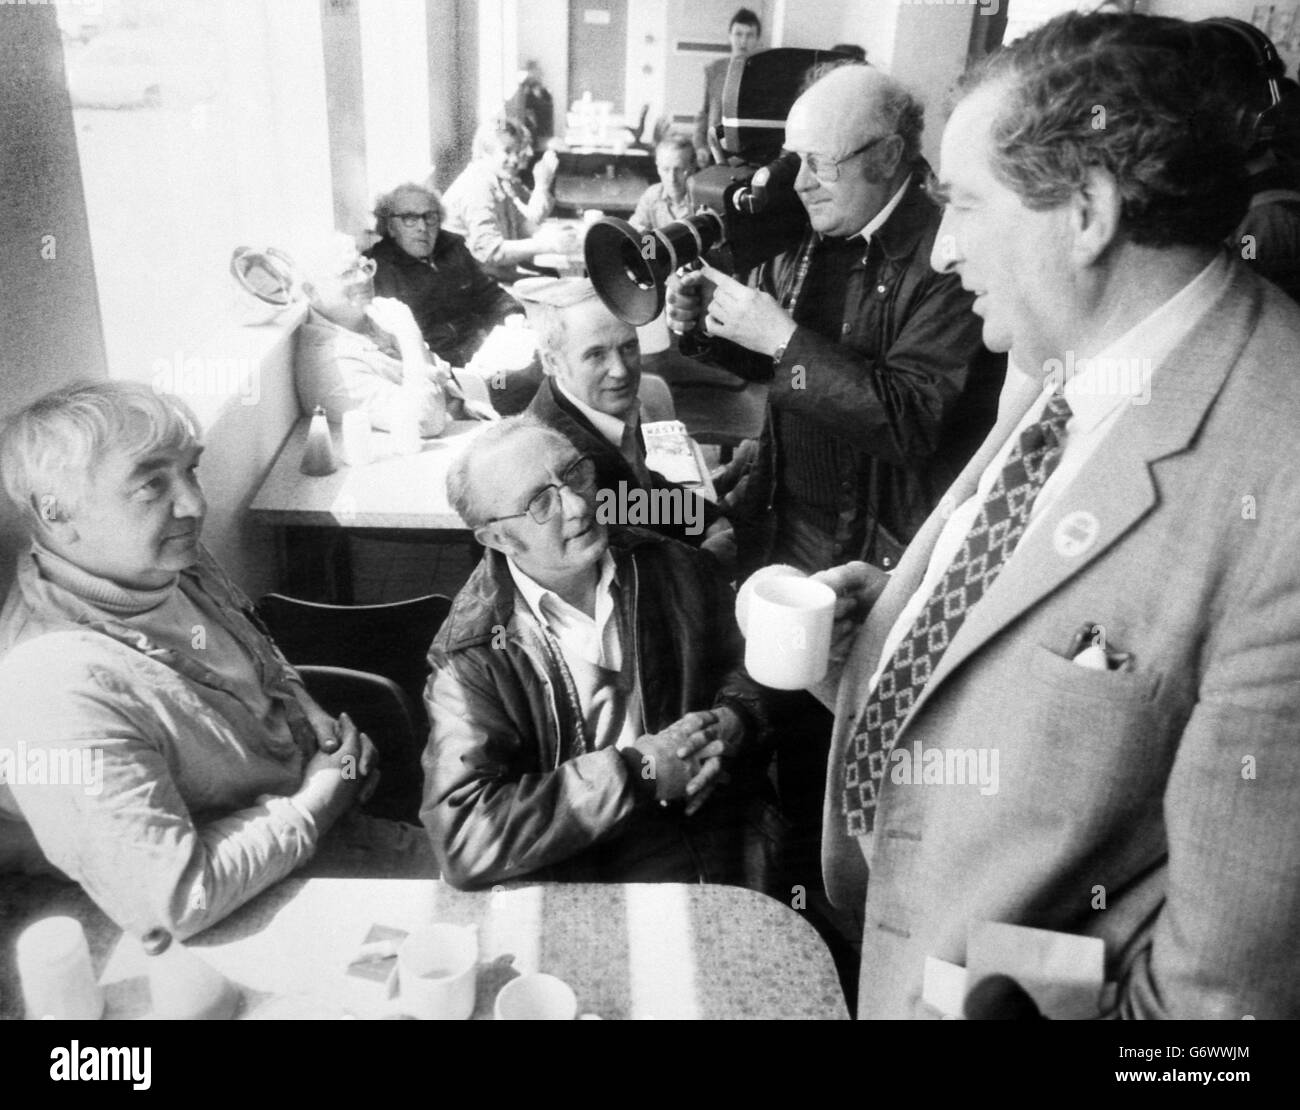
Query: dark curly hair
{"points": [[1118, 92]]}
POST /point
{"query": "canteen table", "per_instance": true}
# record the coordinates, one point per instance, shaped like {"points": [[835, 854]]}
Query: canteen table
{"points": [[634, 951]]}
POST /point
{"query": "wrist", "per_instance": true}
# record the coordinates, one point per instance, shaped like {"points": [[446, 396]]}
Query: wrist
{"points": [[636, 761], [781, 341]]}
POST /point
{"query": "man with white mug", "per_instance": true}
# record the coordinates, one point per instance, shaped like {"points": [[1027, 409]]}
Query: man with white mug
{"points": [[1107, 598], [586, 692]]}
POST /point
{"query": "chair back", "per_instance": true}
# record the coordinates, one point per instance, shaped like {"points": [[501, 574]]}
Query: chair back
{"points": [[391, 640]]}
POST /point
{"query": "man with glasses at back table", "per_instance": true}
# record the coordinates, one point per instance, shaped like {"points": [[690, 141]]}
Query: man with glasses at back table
{"points": [[586, 693], [454, 299]]}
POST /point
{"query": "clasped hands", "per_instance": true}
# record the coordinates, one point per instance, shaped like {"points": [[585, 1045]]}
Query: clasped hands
{"points": [[737, 312], [687, 759]]}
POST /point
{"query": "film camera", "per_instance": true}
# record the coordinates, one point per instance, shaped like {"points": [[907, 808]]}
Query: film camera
{"points": [[748, 210]]}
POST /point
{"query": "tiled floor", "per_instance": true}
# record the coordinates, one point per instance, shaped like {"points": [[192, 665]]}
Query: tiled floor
{"points": [[384, 571]]}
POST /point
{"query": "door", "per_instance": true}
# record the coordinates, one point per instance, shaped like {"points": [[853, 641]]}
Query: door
{"points": [[598, 50]]}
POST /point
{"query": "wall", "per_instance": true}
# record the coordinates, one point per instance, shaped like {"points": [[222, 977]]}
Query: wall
{"points": [[50, 330], [929, 55]]}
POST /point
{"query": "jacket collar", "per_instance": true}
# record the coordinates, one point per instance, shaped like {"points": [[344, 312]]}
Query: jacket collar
{"points": [[913, 217], [487, 602], [387, 250]]}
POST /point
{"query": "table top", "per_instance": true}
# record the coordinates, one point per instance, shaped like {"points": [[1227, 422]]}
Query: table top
{"points": [[629, 951], [393, 491]]}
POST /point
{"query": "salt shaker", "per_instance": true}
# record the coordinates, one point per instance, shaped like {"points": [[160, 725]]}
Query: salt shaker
{"points": [[318, 455], [54, 967]]}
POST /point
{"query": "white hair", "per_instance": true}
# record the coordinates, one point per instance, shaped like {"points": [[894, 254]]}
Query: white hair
{"points": [[51, 447]]}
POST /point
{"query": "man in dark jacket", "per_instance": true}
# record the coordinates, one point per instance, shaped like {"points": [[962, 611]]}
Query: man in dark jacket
{"points": [[454, 300], [880, 386], [591, 397], [586, 690]]}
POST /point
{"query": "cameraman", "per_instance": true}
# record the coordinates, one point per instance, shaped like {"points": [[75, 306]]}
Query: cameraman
{"points": [[880, 388]]}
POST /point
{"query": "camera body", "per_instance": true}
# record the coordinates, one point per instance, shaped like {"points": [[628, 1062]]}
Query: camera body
{"points": [[747, 209]]}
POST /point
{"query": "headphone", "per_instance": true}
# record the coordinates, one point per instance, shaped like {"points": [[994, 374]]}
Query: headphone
{"points": [[1260, 125]]}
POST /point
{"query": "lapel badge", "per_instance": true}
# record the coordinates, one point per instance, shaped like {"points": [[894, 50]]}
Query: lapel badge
{"points": [[1075, 533]]}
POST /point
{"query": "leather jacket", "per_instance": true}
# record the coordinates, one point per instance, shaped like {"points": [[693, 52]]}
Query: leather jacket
{"points": [[907, 390], [510, 790]]}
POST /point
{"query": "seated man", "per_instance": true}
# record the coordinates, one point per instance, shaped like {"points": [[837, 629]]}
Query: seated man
{"points": [[154, 744], [668, 201], [494, 210], [583, 676], [591, 397], [354, 351], [431, 271]]}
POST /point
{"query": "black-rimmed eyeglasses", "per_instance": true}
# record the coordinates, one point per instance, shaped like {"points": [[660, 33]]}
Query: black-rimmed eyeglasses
{"points": [[579, 476], [410, 219]]}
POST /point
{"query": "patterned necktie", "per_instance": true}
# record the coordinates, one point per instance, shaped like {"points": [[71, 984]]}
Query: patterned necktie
{"points": [[989, 544]]}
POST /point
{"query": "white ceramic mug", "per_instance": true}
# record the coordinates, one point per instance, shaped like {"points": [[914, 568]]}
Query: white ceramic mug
{"points": [[536, 997], [54, 967], [788, 631], [437, 967]]}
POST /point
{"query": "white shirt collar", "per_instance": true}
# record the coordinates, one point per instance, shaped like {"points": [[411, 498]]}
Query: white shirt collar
{"points": [[1122, 371], [538, 596], [611, 427], [878, 220]]}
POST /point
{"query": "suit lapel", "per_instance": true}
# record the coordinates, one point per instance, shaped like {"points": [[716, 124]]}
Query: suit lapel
{"points": [[1018, 394], [1116, 489]]}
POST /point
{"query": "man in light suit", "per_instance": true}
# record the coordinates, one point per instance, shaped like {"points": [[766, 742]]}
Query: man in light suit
{"points": [[1104, 610]]}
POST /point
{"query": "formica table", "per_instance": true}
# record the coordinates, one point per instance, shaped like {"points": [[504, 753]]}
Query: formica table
{"points": [[394, 497], [629, 951], [393, 491]]}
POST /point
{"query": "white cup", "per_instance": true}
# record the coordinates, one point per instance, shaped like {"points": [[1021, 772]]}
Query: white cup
{"points": [[437, 967], [54, 967], [536, 998], [358, 450], [746, 591], [788, 632], [591, 215]]}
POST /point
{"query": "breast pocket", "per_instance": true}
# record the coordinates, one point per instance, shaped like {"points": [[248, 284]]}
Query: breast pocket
{"points": [[1070, 679]]}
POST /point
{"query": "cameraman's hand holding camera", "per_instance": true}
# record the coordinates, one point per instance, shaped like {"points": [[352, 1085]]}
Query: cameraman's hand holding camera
{"points": [[745, 316], [688, 293]]}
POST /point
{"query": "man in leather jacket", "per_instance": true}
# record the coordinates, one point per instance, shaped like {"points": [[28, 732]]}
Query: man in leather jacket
{"points": [[586, 693]]}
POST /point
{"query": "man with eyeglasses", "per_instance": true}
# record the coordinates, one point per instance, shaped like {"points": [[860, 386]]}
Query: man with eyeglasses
{"points": [[587, 702], [430, 269], [358, 351], [879, 386]]}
